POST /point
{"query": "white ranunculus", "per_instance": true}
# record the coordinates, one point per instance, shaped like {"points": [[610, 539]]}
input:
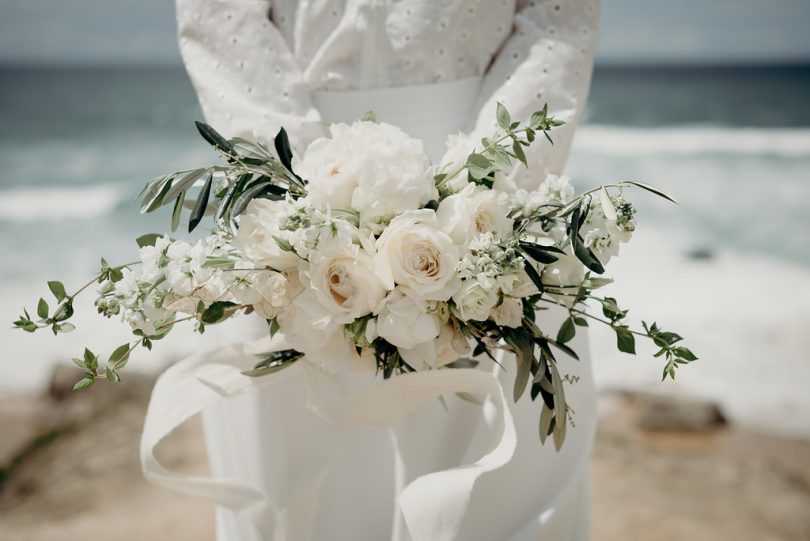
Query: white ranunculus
{"points": [[566, 271], [473, 211], [405, 322], [308, 329], [509, 313], [258, 224], [474, 301], [264, 290], [344, 280], [415, 254], [373, 168], [445, 349], [459, 146]]}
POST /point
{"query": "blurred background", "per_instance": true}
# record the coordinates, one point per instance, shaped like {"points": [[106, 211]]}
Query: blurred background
{"points": [[708, 100]]}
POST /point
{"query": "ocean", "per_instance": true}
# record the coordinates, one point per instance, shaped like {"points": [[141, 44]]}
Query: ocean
{"points": [[731, 143]]}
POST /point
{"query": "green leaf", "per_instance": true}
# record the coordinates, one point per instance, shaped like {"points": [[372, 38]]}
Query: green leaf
{"points": [[478, 165], [502, 115], [567, 331], [118, 358], [546, 416], [533, 275], [519, 154], [368, 116], [273, 362], [216, 311], [652, 189], [282, 144], [58, 290], [83, 384], [607, 205], [42, 308], [148, 239], [523, 347], [90, 360], [66, 327], [625, 340], [214, 138], [185, 182], [177, 211], [685, 354], [202, 203], [540, 253]]}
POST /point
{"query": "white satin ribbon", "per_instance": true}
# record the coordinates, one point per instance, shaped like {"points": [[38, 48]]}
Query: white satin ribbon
{"points": [[432, 505]]}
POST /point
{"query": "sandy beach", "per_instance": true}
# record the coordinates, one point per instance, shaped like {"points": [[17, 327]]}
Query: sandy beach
{"points": [[75, 475]]}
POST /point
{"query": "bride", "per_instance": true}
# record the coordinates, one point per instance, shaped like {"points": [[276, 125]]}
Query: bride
{"points": [[435, 69]]}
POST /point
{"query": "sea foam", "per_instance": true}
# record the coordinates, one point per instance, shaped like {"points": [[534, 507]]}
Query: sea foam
{"points": [[693, 140], [53, 203]]}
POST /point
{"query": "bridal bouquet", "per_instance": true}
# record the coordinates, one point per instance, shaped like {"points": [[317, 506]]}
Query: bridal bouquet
{"points": [[364, 255]]}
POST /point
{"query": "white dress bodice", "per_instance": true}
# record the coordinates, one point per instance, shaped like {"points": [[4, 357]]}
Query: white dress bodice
{"points": [[256, 64]]}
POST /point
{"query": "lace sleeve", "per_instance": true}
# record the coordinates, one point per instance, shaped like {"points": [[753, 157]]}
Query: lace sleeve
{"points": [[547, 59], [247, 81]]}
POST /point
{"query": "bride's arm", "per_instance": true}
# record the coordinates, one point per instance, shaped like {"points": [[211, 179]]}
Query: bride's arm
{"points": [[548, 58], [247, 81]]}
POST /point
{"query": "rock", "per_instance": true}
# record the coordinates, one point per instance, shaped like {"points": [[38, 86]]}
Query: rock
{"points": [[672, 413]]}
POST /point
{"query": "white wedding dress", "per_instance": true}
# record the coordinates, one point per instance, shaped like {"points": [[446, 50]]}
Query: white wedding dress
{"points": [[433, 69]]}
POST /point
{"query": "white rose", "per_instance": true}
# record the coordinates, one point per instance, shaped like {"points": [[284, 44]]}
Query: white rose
{"points": [[445, 349], [405, 322], [414, 253], [343, 278], [308, 329], [475, 302], [473, 211], [566, 271], [509, 313], [258, 224]]}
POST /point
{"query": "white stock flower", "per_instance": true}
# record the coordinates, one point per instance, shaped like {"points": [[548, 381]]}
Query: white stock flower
{"points": [[344, 280], [474, 301], [184, 270], [473, 211], [405, 322], [258, 224], [415, 254], [509, 313], [373, 168], [152, 258], [445, 349], [556, 189]]}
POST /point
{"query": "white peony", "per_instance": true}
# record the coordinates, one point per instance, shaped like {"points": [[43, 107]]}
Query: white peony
{"points": [[415, 254], [375, 169], [474, 301], [509, 313], [445, 349], [473, 211], [405, 322], [343, 278], [258, 224]]}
